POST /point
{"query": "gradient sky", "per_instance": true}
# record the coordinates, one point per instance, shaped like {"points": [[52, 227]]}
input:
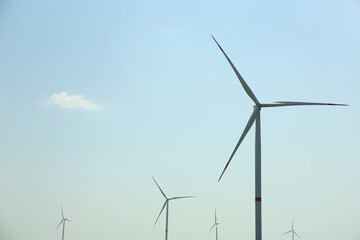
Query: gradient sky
{"points": [[98, 96]]}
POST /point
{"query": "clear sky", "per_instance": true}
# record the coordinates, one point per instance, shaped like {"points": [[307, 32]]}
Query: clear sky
{"points": [[98, 96]]}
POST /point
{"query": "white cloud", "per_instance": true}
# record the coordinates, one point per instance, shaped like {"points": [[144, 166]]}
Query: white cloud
{"points": [[67, 101]]}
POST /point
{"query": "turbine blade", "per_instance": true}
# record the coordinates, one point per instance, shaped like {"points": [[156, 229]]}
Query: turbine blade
{"points": [[215, 216], [296, 234], [181, 197], [284, 103], [287, 232], [292, 226], [62, 213], [160, 212], [67, 220], [159, 187], [212, 227], [246, 130], [59, 223], [242, 81]]}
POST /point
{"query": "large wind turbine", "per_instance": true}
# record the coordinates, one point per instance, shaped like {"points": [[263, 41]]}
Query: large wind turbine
{"points": [[256, 116], [215, 225], [167, 208], [292, 231], [63, 220]]}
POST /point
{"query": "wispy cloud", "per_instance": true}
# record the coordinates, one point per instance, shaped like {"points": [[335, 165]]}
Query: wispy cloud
{"points": [[65, 100]]}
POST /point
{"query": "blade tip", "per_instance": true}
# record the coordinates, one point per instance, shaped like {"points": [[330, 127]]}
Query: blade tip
{"points": [[337, 104], [227, 164], [220, 178], [154, 179], [217, 43]]}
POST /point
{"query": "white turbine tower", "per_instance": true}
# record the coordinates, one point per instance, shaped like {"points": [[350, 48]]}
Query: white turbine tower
{"points": [[167, 208], [256, 116], [215, 225], [63, 220], [292, 231]]}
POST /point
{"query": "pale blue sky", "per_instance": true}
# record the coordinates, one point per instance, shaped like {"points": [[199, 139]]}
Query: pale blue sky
{"points": [[171, 107]]}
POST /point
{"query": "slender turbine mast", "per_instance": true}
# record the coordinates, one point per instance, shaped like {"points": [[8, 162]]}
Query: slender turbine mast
{"points": [[292, 231], [167, 208], [256, 116], [63, 220], [215, 225]]}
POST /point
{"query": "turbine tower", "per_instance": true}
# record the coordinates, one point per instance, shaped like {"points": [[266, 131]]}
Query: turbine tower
{"points": [[63, 220], [167, 208], [292, 231], [256, 116], [215, 225]]}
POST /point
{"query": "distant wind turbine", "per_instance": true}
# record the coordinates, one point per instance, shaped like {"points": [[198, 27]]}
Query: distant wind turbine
{"points": [[215, 225], [256, 116], [63, 220], [167, 207], [292, 231]]}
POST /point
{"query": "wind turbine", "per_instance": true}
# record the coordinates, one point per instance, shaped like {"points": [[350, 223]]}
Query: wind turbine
{"points": [[167, 208], [215, 225], [292, 231], [256, 116], [63, 220]]}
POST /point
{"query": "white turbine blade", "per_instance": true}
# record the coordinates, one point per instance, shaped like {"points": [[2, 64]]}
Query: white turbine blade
{"points": [[159, 187], [242, 81], [246, 130], [296, 234], [283, 103], [181, 197], [59, 223], [160, 212], [67, 220], [215, 216], [212, 227], [62, 213], [292, 226], [287, 232]]}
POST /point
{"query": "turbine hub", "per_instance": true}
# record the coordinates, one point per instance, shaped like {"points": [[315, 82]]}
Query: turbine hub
{"points": [[257, 106]]}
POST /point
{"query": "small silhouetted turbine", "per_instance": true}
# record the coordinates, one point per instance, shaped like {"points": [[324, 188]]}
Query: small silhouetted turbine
{"points": [[215, 225], [292, 231], [63, 220], [167, 208]]}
